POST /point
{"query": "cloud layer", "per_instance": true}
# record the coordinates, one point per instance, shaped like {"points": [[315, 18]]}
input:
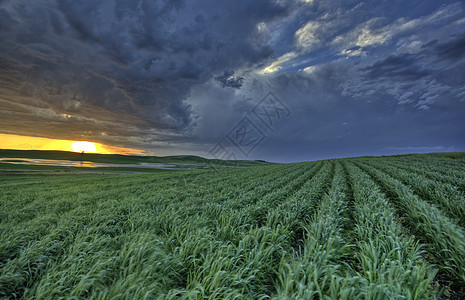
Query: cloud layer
{"points": [[176, 76], [119, 67]]}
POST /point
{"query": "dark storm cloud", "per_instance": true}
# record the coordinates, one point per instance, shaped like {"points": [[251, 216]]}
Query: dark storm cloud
{"points": [[383, 85], [420, 77], [328, 124], [401, 68], [454, 49], [122, 63], [360, 77], [227, 80]]}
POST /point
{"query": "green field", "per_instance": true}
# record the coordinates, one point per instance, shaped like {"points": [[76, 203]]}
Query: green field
{"points": [[357, 228]]}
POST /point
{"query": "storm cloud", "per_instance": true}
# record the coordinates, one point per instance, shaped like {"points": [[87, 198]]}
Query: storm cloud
{"points": [[109, 65], [173, 77]]}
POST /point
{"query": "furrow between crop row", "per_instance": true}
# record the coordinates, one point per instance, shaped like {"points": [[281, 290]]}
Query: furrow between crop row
{"points": [[244, 264], [451, 200], [430, 171], [317, 272], [390, 264], [445, 240], [107, 216]]}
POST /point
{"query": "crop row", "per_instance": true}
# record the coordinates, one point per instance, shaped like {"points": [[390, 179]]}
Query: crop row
{"points": [[39, 241], [446, 196], [314, 271], [391, 262], [431, 169], [245, 267], [445, 240], [362, 228], [137, 227]]}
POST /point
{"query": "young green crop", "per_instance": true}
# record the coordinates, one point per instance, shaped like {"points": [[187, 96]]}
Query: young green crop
{"points": [[317, 271], [432, 170], [444, 237], [391, 263], [274, 231], [448, 197]]}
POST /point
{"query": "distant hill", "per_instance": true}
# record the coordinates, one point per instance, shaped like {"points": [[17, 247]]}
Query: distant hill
{"points": [[450, 155], [123, 159]]}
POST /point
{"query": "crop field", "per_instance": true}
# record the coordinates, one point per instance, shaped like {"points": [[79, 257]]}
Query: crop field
{"points": [[358, 228]]}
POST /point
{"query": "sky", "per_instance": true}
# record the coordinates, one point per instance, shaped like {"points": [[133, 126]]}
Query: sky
{"points": [[276, 80]]}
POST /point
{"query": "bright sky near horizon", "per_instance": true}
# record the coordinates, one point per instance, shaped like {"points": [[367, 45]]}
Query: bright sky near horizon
{"points": [[279, 80], [18, 142]]}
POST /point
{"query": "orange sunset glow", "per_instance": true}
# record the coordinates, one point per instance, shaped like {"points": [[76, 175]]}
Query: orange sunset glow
{"points": [[19, 142], [84, 147]]}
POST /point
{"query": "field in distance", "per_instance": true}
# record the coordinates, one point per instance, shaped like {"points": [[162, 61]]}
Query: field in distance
{"points": [[23, 161], [356, 228]]}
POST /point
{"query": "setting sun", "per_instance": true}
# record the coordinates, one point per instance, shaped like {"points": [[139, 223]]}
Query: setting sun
{"points": [[19, 142], [84, 147]]}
